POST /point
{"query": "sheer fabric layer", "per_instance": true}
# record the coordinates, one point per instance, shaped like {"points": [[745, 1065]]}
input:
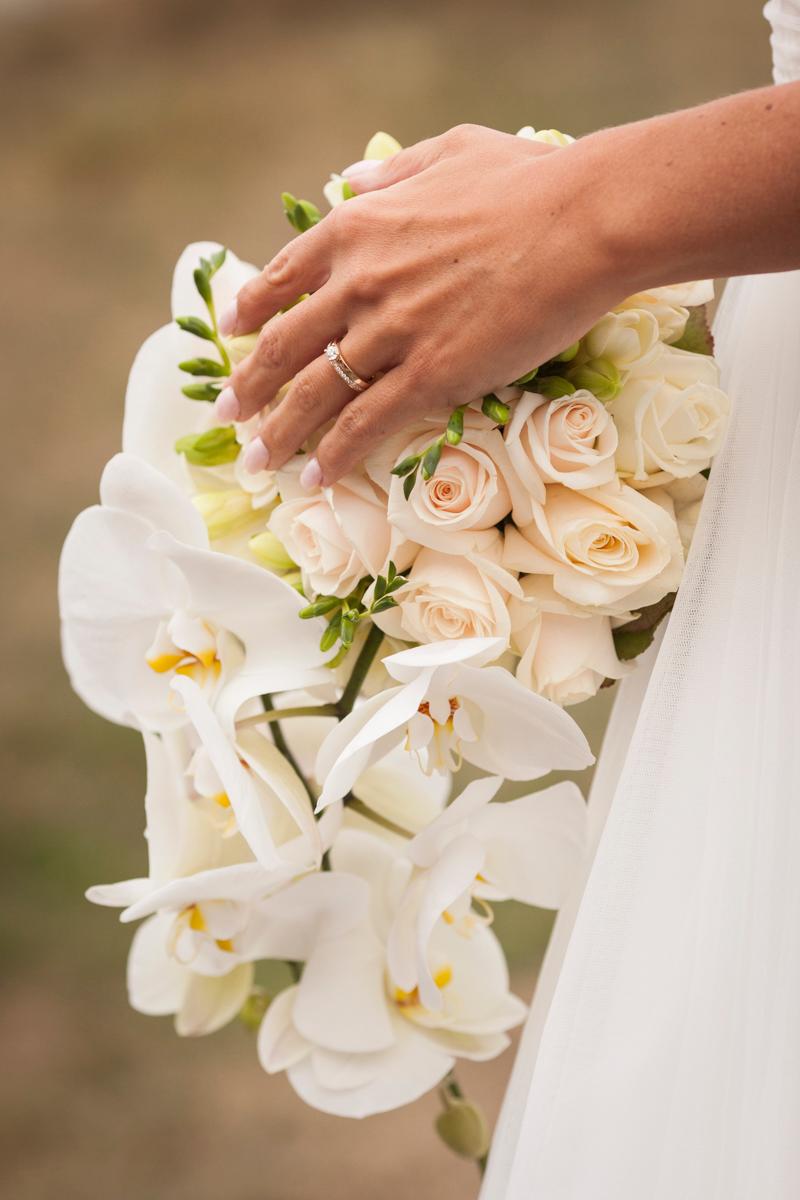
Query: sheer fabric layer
{"points": [[669, 1062]]}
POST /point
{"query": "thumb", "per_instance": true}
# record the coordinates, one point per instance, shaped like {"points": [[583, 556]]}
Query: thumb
{"points": [[370, 175]]}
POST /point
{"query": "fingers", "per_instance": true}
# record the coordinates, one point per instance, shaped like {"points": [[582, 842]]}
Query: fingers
{"points": [[370, 176], [383, 409], [301, 266], [285, 345], [314, 398]]}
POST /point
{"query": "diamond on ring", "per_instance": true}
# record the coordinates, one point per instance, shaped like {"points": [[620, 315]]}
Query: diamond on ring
{"points": [[344, 370]]}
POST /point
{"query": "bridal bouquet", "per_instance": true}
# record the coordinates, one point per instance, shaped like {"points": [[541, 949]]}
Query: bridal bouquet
{"points": [[309, 670]]}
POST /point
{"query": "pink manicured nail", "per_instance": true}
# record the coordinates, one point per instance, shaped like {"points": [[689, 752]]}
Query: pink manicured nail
{"points": [[228, 318], [256, 457], [311, 475], [356, 168], [226, 406]]}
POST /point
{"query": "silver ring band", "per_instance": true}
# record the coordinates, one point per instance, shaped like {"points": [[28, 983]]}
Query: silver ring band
{"points": [[344, 370]]}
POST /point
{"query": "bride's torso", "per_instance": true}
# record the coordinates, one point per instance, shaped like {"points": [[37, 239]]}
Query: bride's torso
{"points": [[784, 17]]}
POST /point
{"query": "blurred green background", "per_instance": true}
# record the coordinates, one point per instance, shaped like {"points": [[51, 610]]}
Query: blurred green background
{"points": [[130, 127]]}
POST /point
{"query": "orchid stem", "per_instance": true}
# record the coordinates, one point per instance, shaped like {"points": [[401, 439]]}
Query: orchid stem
{"points": [[282, 745], [362, 665], [357, 806], [277, 714]]}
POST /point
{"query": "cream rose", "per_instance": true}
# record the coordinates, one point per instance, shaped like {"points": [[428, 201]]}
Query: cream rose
{"points": [[611, 548], [336, 536], [563, 657], [469, 491], [670, 305], [686, 496], [454, 597], [627, 338], [671, 418], [571, 441]]}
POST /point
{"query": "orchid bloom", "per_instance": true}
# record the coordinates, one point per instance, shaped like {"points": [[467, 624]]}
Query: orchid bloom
{"points": [[206, 900], [526, 849], [143, 601], [449, 706], [352, 1042]]}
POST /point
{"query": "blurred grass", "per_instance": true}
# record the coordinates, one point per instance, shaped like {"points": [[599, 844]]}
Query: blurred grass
{"points": [[129, 128]]}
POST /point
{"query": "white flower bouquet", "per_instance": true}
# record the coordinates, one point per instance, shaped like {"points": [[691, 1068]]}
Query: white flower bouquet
{"points": [[308, 671]]}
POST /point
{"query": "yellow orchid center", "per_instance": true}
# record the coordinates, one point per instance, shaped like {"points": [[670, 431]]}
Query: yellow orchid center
{"points": [[404, 999], [187, 646]]}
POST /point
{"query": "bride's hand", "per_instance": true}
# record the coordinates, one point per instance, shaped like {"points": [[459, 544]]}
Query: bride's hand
{"points": [[462, 263]]}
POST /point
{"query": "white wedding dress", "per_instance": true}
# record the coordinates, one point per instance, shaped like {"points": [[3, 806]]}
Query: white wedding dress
{"points": [[661, 1060]]}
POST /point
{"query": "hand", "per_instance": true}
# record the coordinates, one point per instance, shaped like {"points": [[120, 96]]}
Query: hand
{"points": [[462, 263]]}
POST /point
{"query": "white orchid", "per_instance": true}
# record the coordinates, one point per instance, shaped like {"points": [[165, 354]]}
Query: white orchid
{"points": [[144, 600], [526, 849], [450, 706], [206, 897], [352, 1042]]}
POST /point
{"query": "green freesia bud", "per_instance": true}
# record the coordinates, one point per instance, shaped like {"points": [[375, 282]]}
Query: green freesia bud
{"points": [[430, 459], [203, 284], [202, 391], [196, 326], [271, 552], [494, 409], [320, 607], [302, 214], [599, 376], [224, 511], [525, 379], [568, 354], [554, 387], [455, 427], [251, 1014], [203, 366], [462, 1126], [209, 449]]}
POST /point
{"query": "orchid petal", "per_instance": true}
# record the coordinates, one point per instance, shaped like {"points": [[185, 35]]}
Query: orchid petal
{"points": [[134, 486], [156, 983], [279, 1044], [341, 1002], [211, 1001], [407, 664]]}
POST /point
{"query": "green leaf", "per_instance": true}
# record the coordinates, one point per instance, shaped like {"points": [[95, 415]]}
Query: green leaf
{"points": [[494, 409], [203, 366], [632, 639], [391, 573], [217, 260], [406, 465], [395, 583], [430, 459], [202, 391], [455, 427], [554, 387], [697, 336], [320, 607], [380, 587], [202, 283], [382, 605], [209, 449], [409, 481], [196, 326]]}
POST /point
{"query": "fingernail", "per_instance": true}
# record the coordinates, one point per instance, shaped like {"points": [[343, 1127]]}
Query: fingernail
{"points": [[256, 457], [357, 168], [228, 317], [311, 475], [226, 406]]}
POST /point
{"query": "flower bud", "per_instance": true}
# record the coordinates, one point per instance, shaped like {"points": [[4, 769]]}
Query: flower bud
{"points": [[224, 511], [599, 376], [270, 552], [240, 347], [462, 1126], [254, 1008], [554, 387], [209, 449], [551, 137], [382, 145]]}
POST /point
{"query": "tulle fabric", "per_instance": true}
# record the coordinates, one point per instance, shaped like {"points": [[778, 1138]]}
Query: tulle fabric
{"points": [[669, 1059], [662, 1055]]}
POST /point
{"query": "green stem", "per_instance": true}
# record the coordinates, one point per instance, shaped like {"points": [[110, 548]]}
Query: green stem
{"points": [[357, 806], [362, 665], [277, 714], [282, 745]]}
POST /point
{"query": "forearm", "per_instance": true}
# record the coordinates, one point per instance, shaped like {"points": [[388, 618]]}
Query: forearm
{"points": [[712, 191]]}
